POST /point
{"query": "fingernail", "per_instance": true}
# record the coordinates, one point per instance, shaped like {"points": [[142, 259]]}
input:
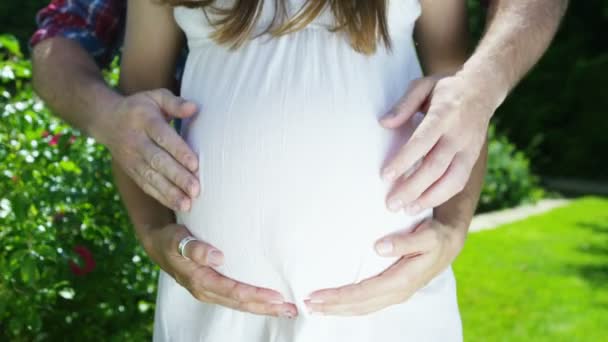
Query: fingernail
{"points": [[384, 247], [316, 301], [387, 115], [277, 302], [192, 164], [389, 175], [189, 104], [184, 205], [193, 189], [215, 257], [395, 204], [413, 209]]}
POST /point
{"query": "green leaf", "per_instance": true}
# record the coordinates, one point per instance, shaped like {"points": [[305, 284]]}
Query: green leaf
{"points": [[11, 44], [70, 166], [29, 271], [47, 252]]}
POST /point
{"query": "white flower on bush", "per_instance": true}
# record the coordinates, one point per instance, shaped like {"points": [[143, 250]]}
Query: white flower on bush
{"points": [[7, 73], [5, 208]]}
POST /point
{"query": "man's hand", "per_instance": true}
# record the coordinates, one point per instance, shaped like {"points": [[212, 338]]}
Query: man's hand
{"points": [[426, 251], [447, 141], [134, 128], [137, 133], [205, 284]]}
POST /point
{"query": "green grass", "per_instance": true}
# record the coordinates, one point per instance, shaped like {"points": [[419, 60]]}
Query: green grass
{"points": [[541, 279]]}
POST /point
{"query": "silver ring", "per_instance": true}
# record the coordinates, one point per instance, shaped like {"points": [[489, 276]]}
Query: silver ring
{"points": [[182, 245]]}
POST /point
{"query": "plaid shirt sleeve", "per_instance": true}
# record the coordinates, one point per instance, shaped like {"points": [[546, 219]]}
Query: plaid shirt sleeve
{"points": [[97, 25]]}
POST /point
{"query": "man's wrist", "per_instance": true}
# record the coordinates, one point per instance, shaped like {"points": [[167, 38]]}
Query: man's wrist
{"points": [[487, 77], [108, 101], [456, 237]]}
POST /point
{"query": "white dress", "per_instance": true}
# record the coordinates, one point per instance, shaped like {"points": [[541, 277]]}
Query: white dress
{"points": [[290, 155]]}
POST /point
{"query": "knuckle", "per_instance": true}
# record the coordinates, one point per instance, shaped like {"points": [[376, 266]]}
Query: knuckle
{"points": [[183, 155], [148, 174], [198, 253], [237, 293], [160, 139], [175, 197], [189, 183], [182, 180], [156, 160], [234, 293]]}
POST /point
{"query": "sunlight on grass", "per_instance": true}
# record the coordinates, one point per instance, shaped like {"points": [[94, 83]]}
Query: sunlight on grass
{"points": [[541, 279]]}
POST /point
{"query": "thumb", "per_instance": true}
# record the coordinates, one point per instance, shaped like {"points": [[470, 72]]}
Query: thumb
{"points": [[171, 105], [405, 243], [204, 254], [412, 102]]}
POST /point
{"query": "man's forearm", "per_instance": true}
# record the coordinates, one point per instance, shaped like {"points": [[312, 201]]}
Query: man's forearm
{"points": [[459, 210], [517, 34], [144, 211], [70, 83]]}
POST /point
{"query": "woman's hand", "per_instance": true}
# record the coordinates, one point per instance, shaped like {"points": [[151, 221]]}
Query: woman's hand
{"points": [[448, 141], [196, 274], [425, 252]]}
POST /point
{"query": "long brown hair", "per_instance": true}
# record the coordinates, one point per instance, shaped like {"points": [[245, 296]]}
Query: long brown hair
{"points": [[364, 21]]}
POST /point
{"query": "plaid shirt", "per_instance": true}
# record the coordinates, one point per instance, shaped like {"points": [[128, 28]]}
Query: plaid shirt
{"points": [[97, 25]]}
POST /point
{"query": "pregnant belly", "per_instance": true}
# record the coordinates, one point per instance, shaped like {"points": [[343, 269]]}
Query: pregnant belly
{"points": [[290, 169], [293, 196]]}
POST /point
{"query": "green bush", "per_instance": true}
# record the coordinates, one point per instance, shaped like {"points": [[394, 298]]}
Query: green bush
{"points": [[70, 267], [558, 112], [508, 181]]}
